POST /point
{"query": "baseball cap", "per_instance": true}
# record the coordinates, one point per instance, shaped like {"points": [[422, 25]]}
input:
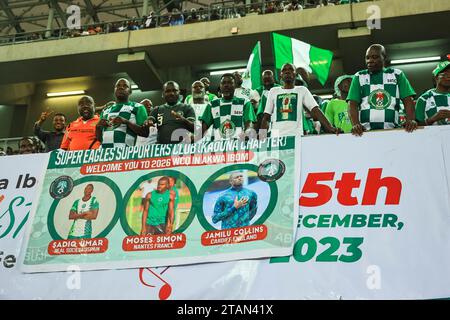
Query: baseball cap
{"points": [[440, 67]]}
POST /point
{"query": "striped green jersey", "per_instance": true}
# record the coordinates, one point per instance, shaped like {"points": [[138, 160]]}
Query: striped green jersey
{"points": [[228, 117], [82, 228], [430, 103]]}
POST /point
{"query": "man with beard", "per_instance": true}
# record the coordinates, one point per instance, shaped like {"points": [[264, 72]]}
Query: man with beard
{"points": [[337, 109], [284, 107], [123, 121], [237, 206], [51, 139], [199, 102], [174, 120], [209, 96], [376, 94], [433, 107], [80, 134], [199, 99]]}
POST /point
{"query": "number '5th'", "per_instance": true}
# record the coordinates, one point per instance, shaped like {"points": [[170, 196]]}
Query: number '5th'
{"points": [[306, 248]]}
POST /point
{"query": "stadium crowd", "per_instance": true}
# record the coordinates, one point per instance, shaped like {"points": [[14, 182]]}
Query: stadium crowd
{"points": [[236, 9], [176, 16], [376, 98]]}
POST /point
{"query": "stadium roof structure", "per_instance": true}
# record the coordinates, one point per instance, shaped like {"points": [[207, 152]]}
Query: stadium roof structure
{"points": [[17, 16], [409, 29]]}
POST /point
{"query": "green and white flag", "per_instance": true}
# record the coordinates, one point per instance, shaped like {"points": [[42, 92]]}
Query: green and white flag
{"points": [[301, 54], [252, 76]]}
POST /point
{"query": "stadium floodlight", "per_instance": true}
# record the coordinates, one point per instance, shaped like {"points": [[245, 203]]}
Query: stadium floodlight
{"points": [[221, 72], [65, 93], [416, 60]]}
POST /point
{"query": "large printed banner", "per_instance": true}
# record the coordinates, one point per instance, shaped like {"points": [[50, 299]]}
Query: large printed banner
{"points": [[166, 205], [374, 224], [20, 177]]}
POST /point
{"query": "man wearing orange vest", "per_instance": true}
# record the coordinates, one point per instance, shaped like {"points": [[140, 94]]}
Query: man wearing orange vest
{"points": [[80, 134]]}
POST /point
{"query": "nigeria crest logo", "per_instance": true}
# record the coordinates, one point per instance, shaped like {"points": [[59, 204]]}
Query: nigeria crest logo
{"points": [[227, 129], [271, 170], [61, 187], [380, 99]]}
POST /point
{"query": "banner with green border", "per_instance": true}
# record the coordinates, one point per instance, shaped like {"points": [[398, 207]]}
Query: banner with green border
{"points": [[161, 205]]}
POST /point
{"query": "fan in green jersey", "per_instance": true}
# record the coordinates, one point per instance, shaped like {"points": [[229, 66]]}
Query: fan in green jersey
{"points": [[376, 94], [337, 109], [122, 122], [83, 211], [231, 117], [159, 209], [433, 107]]}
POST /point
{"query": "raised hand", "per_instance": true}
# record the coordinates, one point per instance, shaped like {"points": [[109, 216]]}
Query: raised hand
{"points": [[45, 115]]}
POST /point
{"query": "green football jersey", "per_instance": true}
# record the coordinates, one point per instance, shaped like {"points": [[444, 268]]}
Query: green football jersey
{"points": [[263, 94], [121, 135], [158, 208], [337, 113], [228, 117], [82, 228], [430, 103], [379, 97]]}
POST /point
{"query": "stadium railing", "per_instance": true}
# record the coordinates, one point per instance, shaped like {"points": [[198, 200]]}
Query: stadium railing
{"points": [[216, 11]]}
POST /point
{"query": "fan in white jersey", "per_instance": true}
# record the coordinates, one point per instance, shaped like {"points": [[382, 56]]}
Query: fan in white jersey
{"points": [[199, 102], [153, 132], [284, 107], [199, 98], [245, 93]]}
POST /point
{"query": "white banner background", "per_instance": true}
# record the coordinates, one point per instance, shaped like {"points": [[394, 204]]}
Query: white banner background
{"points": [[411, 263]]}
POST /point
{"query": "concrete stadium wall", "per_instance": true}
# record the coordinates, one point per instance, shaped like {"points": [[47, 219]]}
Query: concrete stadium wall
{"points": [[219, 29]]}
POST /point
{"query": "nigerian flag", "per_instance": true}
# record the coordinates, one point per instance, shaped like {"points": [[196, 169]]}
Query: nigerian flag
{"points": [[252, 76], [301, 54]]}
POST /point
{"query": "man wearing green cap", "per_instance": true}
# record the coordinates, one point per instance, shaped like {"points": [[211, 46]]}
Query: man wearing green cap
{"points": [[337, 109], [376, 94], [433, 107]]}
